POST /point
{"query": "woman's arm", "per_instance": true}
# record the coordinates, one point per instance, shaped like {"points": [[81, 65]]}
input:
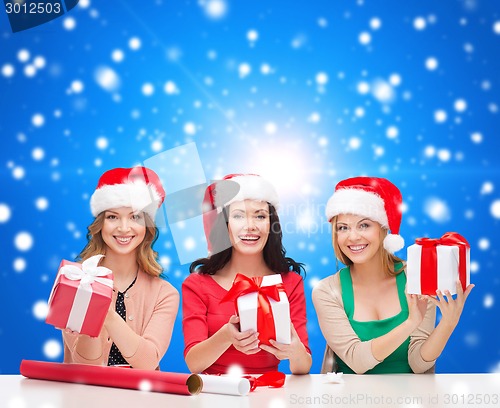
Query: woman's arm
{"points": [[141, 351], [337, 329], [204, 354], [145, 351], [297, 351], [385, 345], [451, 310], [82, 349], [418, 337], [201, 351]]}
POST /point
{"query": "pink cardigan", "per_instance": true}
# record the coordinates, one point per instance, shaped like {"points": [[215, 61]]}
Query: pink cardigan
{"points": [[152, 305]]}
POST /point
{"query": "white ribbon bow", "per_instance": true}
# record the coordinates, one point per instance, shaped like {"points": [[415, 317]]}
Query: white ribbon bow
{"points": [[89, 272]]}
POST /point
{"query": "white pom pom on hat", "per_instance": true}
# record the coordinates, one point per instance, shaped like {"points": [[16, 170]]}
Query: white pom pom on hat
{"points": [[138, 187], [372, 197]]}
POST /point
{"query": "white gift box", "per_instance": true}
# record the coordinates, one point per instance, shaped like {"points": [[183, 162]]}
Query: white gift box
{"points": [[448, 261], [247, 310]]}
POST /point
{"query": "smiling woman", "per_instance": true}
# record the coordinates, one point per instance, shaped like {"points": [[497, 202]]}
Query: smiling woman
{"points": [[139, 323], [244, 237], [370, 324]]}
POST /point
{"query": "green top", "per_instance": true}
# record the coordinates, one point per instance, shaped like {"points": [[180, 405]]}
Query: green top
{"points": [[395, 363]]}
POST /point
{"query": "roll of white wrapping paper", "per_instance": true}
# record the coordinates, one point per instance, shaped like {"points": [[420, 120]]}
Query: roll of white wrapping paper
{"points": [[217, 384]]}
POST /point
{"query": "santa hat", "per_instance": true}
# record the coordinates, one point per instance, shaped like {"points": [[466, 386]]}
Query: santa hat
{"points": [[232, 188], [138, 187], [372, 197]]}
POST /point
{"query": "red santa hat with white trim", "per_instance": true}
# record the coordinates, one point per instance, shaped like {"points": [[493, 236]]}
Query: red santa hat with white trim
{"points": [[232, 188], [372, 197], [138, 187]]}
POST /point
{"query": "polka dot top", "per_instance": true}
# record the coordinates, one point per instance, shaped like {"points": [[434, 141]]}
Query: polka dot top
{"points": [[115, 356]]}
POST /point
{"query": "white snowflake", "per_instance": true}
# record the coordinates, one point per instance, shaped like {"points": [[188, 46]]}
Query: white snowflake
{"points": [[52, 349], [5, 213], [69, 23], [23, 241]]}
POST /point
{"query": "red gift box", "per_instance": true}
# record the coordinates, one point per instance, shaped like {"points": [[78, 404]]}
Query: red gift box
{"points": [[262, 305], [437, 263], [81, 296]]}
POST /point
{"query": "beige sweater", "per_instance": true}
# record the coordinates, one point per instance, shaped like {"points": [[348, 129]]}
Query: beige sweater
{"points": [[341, 338], [151, 305]]}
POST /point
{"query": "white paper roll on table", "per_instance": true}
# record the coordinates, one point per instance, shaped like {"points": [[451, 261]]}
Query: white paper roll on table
{"points": [[217, 384]]}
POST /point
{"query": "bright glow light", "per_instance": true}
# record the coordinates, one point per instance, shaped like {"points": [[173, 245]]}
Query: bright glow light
{"points": [[437, 210], [460, 105], [117, 55], [145, 385], [52, 349], [383, 91], [244, 69], [23, 241], [484, 244], [252, 35], [4, 212], [495, 209], [365, 38], [286, 171], [431, 63], [363, 87], [107, 78], [40, 309], [216, 9], [170, 88], [375, 23], [8, 70], [440, 116], [19, 264], [23, 55], [69, 23], [321, 78], [419, 23], [235, 371], [271, 128], [134, 43], [41, 203]]}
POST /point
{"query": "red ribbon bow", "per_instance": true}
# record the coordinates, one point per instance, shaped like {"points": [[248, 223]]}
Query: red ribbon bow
{"points": [[273, 379], [243, 285], [429, 259]]}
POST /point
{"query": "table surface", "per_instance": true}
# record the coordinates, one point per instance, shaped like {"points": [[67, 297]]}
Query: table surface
{"points": [[404, 390]]}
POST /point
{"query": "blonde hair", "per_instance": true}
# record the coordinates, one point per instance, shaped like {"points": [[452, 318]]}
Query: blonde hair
{"points": [[388, 259], [146, 256]]}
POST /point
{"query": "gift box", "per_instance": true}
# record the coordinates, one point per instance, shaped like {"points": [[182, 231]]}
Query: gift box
{"points": [[434, 264], [262, 305], [81, 296]]}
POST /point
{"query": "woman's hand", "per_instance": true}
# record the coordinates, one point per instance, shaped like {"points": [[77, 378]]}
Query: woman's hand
{"points": [[70, 332], [247, 342], [451, 309], [285, 351], [417, 307]]}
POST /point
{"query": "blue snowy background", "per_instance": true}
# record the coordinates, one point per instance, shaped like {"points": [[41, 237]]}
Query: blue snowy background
{"points": [[304, 93]]}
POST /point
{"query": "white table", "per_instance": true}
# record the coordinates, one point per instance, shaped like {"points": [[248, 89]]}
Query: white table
{"points": [[311, 391]]}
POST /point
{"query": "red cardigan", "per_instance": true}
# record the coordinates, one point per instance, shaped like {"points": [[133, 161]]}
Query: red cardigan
{"points": [[204, 315]]}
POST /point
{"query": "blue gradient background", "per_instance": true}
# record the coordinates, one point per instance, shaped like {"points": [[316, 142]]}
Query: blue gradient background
{"points": [[260, 123]]}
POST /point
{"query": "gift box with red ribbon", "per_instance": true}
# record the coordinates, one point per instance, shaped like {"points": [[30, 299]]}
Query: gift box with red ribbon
{"points": [[262, 305], [437, 263], [81, 296]]}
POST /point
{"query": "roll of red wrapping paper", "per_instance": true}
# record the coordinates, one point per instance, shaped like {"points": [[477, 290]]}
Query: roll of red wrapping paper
{"points": [[145, 380]]}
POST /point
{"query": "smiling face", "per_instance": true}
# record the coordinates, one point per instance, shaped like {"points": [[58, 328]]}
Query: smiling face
{"points": [[248, 226], [358, 237], [123, 230]]}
